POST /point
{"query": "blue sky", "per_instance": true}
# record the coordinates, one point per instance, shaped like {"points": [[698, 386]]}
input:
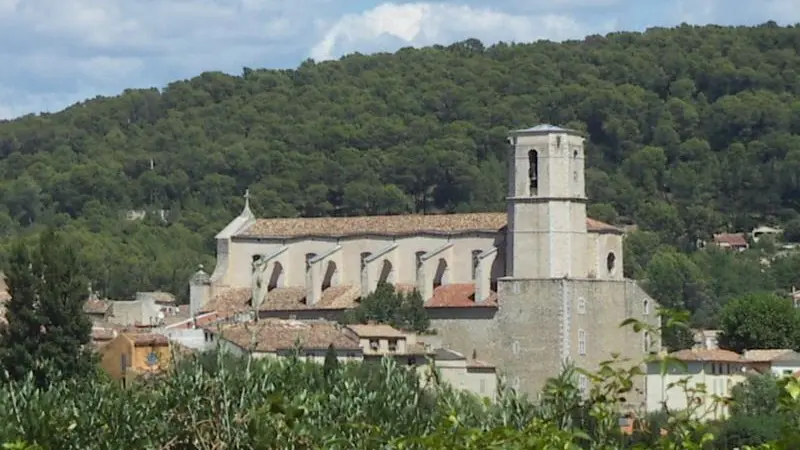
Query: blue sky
{"points": [[57, 52]]}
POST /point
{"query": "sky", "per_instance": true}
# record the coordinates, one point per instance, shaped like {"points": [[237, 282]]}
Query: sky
{"points": [[54, 53]]}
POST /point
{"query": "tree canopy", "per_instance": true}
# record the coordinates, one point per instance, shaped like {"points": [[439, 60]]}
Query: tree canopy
{"points": [[690, 130], [760, 321], [47, 333]]}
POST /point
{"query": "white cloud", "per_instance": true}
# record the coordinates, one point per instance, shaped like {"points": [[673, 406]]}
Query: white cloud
{"points": [[56, 52], [422, 24]]}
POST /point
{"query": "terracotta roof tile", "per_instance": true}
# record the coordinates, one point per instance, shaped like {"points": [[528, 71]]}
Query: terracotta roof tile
{"points": [[273, 335], [390, 225], [707, 355], [96, 306], [147, 339], [292, 298], [103, 334], [478, 364], [732, 239], [768, 355], [459, 295], [376, 330]]}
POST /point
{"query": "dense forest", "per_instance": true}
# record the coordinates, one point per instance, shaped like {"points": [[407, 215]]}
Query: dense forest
{"points": [[691, 130]]}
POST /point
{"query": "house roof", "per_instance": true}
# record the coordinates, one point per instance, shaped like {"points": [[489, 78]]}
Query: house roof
{"points": [[273, 335], [147, 339], [771, 355], [398, 225], [95, 305], [378, 330], [732, 239], [445, 354], [459, 295], [715, 355]]}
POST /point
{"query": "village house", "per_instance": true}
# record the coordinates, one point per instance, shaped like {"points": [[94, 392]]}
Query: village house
{"points": [[132, 355], [712, 373], [733, 241], [532, 288], [779, 362], [311, 339]]}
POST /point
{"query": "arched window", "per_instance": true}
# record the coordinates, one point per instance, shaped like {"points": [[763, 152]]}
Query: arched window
{"points": [[646, 306], [611, 262], [646, 341], [533, 171]]}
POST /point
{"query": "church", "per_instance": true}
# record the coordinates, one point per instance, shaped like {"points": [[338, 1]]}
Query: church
{"points": [[526, 290]]}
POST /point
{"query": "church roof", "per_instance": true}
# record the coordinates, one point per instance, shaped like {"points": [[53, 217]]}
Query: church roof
{"points": [[545, 128], [399, 225]]}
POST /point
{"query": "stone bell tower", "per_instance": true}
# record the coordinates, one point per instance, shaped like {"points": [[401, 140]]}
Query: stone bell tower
{"points": [[546, 235]]}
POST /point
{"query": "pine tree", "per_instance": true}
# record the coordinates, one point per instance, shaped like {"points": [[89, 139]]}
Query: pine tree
{"points": [[48, 333], [331, 364]]}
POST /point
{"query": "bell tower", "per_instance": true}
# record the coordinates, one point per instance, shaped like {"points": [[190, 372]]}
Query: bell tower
{"points": [[546, 235]]}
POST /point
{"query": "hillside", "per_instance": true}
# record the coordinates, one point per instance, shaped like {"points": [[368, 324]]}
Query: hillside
{"points": [[691, 130]]}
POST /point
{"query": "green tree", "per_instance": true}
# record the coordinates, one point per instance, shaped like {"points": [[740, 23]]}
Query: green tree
{"points": [[47, 334], [759, 321], [386, 305], [331, 364]]}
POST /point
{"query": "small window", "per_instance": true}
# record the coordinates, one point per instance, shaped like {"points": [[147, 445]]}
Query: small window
{"points": [[581, 342], [476, 259], [412, 361], [374, 344], [393, 345], [575, 154], [646, 341], [515, 348], [152, 359], [646, 306], [533, 171], [611, 262], [581, 305]]}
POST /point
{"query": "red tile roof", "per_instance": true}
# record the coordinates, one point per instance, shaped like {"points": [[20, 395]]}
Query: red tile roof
{"points": [[459, 295], [732, 239], [147, 339], [445, 224], [271, 335], [700, 355]]}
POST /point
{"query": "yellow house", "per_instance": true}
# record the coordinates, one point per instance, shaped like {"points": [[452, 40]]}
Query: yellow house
{"points": [[132, 354]]}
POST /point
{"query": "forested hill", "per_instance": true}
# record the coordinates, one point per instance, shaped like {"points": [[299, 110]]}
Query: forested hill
{"points": [[691, 130]]}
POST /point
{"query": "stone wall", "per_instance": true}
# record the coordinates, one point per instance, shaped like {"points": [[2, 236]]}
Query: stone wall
{"points": [[538, 325]]}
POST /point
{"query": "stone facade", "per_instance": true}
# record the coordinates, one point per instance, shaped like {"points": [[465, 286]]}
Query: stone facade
{"points": [[527, 289]]}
